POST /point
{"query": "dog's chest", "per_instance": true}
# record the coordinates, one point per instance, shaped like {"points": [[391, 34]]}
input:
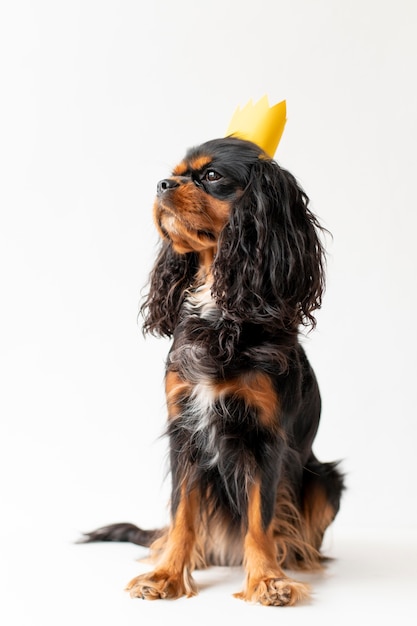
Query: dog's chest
{"points": [[201, 421], [191, 356], [194, 338], [200, 303]]}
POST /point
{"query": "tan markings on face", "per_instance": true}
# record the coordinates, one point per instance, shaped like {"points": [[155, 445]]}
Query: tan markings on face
{"points": [[186, 214], [257, 391], [180, 169], [198, 163]]}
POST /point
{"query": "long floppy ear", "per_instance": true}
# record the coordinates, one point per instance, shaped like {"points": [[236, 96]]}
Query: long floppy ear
{"points": [[171, 275], [270, 264]]}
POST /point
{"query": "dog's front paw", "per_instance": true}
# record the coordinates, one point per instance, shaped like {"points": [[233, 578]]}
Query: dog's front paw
{"points": [[275, 592], [162, 585]]}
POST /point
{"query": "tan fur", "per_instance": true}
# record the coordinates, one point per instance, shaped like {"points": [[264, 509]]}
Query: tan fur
{"points": [[206, 258], [318, 514], [199, 212], [215, 542], [172, 575], [210, 524], [266, 582], [257, 391], [262, 552], [175, 389], [197, 164], [292, 534]]}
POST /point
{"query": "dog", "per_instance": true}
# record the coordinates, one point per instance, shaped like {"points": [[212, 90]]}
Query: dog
{"points": [[240, 270]]}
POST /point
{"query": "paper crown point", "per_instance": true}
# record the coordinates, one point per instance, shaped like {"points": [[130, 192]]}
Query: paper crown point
{"points": [[260, 124]]}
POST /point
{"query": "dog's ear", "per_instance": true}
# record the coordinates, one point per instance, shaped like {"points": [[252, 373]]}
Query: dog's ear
{"points": [[171, 275], [270, 261]]}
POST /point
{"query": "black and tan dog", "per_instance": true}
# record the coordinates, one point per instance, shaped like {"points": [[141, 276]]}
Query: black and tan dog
{"points": [[240, 270]]}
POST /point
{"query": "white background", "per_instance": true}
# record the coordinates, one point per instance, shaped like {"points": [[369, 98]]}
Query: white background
{"points": [[99, 100]]}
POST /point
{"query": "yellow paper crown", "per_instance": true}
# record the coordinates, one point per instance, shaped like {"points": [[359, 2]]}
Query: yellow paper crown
{"points": [[260, 124]]}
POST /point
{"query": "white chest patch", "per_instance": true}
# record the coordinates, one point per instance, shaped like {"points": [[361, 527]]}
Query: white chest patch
{"points": [[203, 397], [201, 302], [201, 423]]}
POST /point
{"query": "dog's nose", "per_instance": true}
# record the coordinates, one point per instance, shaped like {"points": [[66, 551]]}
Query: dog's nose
{"points": [[165, 185]]}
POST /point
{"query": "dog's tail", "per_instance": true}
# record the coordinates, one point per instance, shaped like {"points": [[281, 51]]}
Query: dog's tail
{"points": [[123, 532]]}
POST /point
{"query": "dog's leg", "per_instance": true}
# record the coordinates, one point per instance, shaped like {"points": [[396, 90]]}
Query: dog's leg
{"points": [[172, 575], [321, 493], [266, 583]]}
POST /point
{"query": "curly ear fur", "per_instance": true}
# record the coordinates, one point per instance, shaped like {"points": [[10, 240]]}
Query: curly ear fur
{"points": [[270, 262], [242, 399], [172, 274]]}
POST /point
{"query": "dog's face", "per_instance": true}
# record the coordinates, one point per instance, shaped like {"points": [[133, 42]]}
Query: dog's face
{"points": [[193, 205], [234, 218]]}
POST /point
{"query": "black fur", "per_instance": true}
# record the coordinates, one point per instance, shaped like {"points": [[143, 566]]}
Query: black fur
{"points": [[237, 318]]}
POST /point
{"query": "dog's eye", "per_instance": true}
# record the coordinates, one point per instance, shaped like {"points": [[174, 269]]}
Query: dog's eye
{"points": [[211, 176]]}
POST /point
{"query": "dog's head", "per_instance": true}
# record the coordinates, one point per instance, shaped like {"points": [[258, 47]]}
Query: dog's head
{"points": [[234, 217], [194, 205]]}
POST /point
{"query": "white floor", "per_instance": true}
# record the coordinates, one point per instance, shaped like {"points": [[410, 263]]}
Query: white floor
{"points": [[49, 580]]}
